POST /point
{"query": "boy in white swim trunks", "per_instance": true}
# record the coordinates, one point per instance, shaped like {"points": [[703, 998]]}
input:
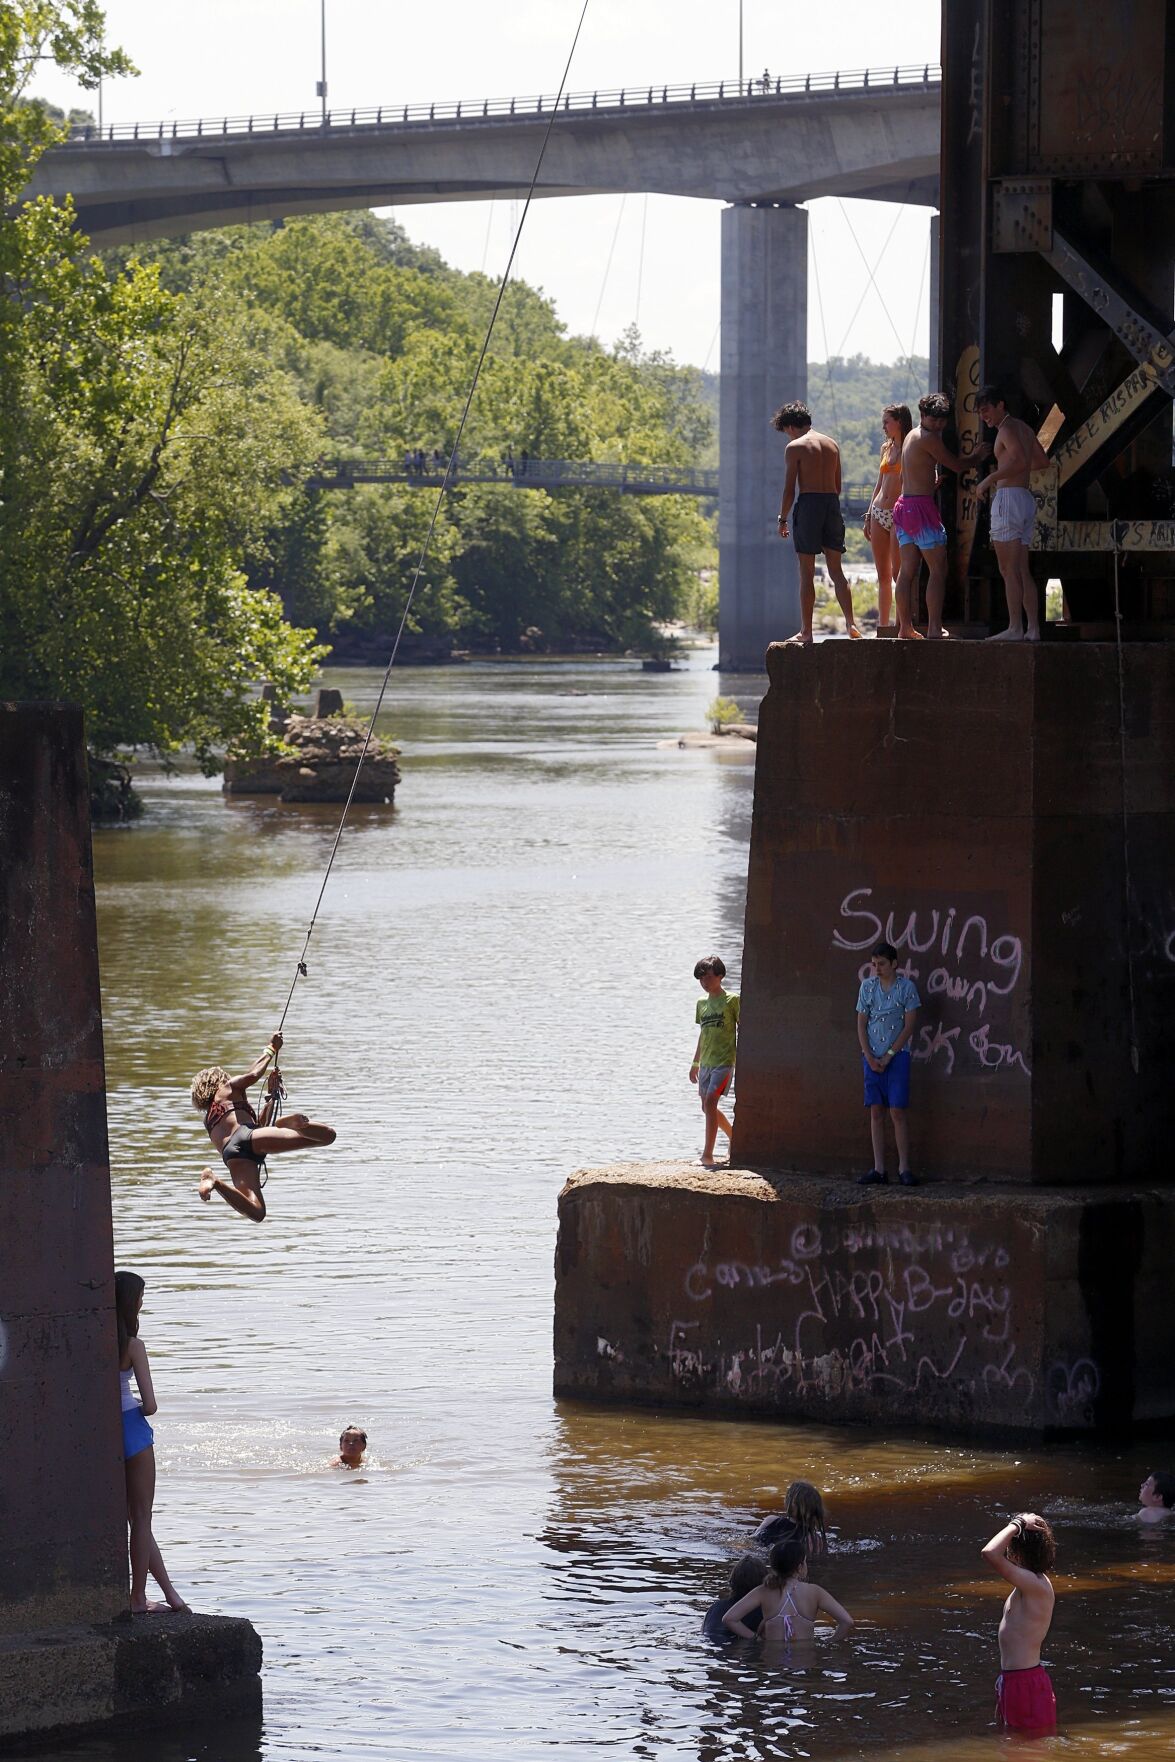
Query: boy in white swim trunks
{"points": [[713, 1067], [1013, 511]]}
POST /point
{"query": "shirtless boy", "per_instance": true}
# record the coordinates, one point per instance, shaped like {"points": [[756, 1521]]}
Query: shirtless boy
{"points": [[922, 537], [812, 482], [1013, 511], [1156, 1496], [1023, 1552]]}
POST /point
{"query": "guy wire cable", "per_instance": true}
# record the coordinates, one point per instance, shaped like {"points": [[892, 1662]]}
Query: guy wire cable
{"points": [[300, 970]]}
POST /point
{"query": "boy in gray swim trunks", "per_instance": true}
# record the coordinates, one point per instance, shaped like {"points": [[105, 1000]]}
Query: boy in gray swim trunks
{"points": [[713, 1067], [812, 483], [1013, 511]]}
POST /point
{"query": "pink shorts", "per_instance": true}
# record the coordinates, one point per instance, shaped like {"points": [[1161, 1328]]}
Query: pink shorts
{"points": [[1024, 1700]]}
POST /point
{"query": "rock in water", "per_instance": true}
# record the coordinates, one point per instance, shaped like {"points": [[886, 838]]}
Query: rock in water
{"points": [[318, 764]]}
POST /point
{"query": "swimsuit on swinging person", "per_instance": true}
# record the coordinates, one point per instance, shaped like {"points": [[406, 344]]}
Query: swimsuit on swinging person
{"points": [[240, 1143], [787, 1614]]}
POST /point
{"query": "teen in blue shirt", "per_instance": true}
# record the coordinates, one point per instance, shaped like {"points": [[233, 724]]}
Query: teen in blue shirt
{"points": [[887, 1011]]}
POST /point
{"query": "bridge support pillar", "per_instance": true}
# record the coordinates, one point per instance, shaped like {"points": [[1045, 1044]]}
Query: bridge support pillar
{"points": [[935, 301], [764, 364]]}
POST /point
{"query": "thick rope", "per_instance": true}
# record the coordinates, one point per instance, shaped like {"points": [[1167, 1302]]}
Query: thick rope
{"points": [[1127, 882], [300, 970]]}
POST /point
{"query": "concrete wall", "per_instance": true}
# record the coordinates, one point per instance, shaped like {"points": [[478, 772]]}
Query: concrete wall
{"points": [[764, 364], [62, 1497], [979, 1311], [965, 802]]}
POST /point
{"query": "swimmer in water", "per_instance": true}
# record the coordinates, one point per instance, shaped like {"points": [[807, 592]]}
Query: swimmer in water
{"points": [[790, 1605], [802, 1520], [1156, 1496], [1023, 1552], [745, 1575], [244, 1141], [352, 1444]]}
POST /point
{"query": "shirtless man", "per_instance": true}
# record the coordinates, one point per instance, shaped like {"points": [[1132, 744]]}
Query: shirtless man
{"points": [[1156, 1496], [921, 535], [1023, 1552], [1013, 510], [812, 482]]}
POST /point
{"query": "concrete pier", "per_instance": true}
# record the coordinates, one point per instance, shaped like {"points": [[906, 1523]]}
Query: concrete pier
{"points": [[70, 1652], [764, 364], [1005, 816]]}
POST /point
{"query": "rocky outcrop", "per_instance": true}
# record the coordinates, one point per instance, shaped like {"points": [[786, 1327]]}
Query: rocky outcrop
{"points": [[317, 764]]}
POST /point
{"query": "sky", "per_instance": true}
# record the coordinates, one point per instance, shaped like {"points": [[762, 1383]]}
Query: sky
{"points": [[212, 57]]}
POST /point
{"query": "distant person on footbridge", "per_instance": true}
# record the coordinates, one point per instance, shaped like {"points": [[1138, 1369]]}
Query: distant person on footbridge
{"points": [[812, 483]]}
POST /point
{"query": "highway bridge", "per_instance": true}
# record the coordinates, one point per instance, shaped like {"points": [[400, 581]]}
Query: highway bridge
{"points": [[761, 146]]}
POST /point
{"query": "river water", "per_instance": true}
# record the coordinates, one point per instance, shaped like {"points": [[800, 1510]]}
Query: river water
{"points": [[500, 991]]}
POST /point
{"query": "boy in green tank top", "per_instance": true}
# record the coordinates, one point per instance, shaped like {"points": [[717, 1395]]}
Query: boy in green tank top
{"points": [[713, 1067]]}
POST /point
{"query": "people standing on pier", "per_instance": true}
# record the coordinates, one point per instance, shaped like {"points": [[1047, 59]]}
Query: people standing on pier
{"points": [[138, 1449], [243, 1140], [887, 1014], [1013, 511], [1156, 1496], [790, 1605], [896, 423], [1024, 1552], [812, 483], [922, 537], [713, 1068]]}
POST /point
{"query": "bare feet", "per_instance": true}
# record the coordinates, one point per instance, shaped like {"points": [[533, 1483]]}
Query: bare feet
{"points": [[176, 1602], [146, 1608], [207, 1185], [1033, 635], [1010, 635], [854, 632], [799, 640], [939, 635], [910, 635]]}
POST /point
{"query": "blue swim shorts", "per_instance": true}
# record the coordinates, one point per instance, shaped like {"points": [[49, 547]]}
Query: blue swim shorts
{"points": [[917, 521], [137, 1435], [889, 1087], [713, 1082]]}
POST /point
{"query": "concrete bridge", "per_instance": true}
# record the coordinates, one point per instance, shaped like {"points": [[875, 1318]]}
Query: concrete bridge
{"points": [[548, 474], [763, 147]]}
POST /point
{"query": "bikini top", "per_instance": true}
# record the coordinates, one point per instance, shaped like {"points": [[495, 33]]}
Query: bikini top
{"points": [[886, 470], [220, 1109], [785, 1613]]}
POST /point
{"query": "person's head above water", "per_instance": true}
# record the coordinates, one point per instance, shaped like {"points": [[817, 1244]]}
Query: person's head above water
{"points": [[1035, 1547], [747, 1572], [792, 417], [787, 1560], [128, 1300], [803, 1504], [352, 1444], [1157, 1491], [205, 1084]]}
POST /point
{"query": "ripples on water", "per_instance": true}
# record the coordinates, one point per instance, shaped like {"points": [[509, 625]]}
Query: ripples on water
{"points": [[500, 990]]}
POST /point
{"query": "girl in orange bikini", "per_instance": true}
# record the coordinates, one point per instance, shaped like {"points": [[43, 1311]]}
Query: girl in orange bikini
{"points": [[896, 423], [243, 1140]]}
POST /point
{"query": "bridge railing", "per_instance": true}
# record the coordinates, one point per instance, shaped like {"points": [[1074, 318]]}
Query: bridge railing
{"points": [[640, 97], [542, 474]]}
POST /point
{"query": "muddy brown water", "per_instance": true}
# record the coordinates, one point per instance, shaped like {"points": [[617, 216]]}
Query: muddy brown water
{"points": [[500, 991]]}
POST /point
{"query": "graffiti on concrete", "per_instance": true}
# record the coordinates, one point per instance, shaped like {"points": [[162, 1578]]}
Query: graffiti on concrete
{"points": [[966, 976], [872, 1310]]}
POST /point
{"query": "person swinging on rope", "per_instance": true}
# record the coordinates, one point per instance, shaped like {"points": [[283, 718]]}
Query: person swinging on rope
{"points": [[241, 1138]]}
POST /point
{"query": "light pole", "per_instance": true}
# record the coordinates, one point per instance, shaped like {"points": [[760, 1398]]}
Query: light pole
{"points": [[740, 45], [322, 81]]}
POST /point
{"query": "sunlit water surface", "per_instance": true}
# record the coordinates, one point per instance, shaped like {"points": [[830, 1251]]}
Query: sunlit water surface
{"points": [[499, 992]]}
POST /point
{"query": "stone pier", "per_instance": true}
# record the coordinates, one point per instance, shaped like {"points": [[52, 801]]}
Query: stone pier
{"points": [[1006, 818], [764, 364], [70, 1653]]}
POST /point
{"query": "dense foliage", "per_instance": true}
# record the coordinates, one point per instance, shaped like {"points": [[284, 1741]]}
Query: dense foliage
{"points": [[383, 338], [146, 442]]}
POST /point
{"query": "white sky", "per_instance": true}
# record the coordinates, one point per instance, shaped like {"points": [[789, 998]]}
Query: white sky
{"points": [[209, 57]]}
